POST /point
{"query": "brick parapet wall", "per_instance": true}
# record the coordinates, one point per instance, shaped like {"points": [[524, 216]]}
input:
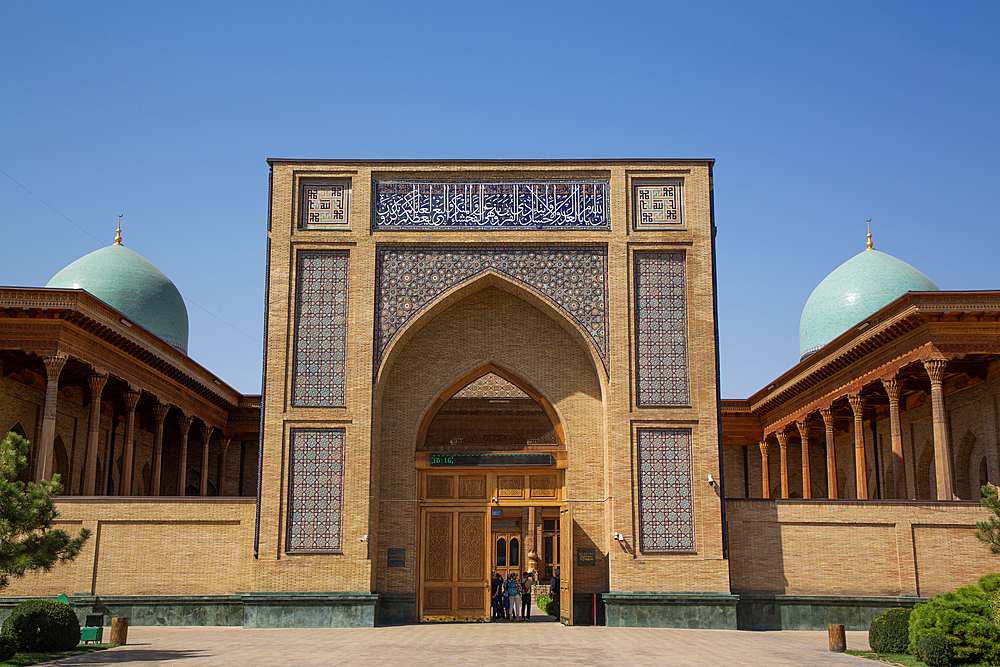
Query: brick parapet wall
{"points": [[151, 546], [829, 547]]}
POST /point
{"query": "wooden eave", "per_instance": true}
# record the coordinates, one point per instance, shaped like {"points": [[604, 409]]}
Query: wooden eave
{"points": [[914, 327], [44, 321]]}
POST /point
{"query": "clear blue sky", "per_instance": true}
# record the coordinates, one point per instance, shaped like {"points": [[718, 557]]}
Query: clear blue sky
{"points": [[819, 116]]}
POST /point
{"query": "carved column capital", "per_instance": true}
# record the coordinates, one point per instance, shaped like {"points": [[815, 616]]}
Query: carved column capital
{"points": [[782, 438], [893, 387], [160, 411], [206, 433], [185, 423], [935, 369], [803, 427], [857, 402], [54, 364], [764, 447], [224, 444], [96, 382], [827, 414], [131, 398]]}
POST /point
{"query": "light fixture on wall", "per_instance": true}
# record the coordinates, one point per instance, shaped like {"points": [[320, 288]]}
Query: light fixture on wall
{"points": [[364, 538], [711, 480]]}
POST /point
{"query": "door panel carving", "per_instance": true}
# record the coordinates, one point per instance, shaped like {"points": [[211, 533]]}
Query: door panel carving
{"points": [[439, 546], [511, 486], [543, 487], [471, 598], [439, 487], [472, 487], [438, 599], [471, 541]]}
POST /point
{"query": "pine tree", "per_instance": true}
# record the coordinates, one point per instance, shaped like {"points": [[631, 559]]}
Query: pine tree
{"points": [[989, 530], [27, 540]]}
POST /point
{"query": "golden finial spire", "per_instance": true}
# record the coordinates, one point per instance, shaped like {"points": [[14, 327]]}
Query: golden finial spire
{"points": [[118, 237], [869, 244]]}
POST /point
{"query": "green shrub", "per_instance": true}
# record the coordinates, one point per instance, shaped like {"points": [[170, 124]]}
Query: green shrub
{"points": [[935, 650], [546, 604], [8, 647], [995, 608], [990, 583], [964, 617], [890, 632], [42, 626]]}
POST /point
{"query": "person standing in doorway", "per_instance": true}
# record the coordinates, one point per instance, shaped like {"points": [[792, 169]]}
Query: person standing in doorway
{"points": [[514, 593], [496, 596], [554, 591], [526, 583]]}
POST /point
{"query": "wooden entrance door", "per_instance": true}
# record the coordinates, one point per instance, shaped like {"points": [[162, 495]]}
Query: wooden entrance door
{"points": [[566, 565], [507, 553], [454, 567]]}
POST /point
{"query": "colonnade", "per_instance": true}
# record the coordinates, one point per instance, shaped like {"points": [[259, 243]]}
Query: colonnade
{"points": [[97, 382], [935, 369]]}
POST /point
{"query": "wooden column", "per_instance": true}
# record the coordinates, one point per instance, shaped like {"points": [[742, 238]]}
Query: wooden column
{"points": [[857, 402], [892, 388], [160, 412], [96, 382], [765, 473], [206, 436], [185, 425], [803, 427], [832, 490], [942, 453], [53, 367], [125, 482], [222, 465], [783, 444]]}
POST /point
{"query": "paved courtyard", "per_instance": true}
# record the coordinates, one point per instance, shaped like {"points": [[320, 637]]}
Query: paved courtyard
{"points": [[545, 643]]}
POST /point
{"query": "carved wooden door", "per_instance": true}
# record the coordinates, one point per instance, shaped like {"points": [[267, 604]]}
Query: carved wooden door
{"points": [[566, 565], [454, 583]]}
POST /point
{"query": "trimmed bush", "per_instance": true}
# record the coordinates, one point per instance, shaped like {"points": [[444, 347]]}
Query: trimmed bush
{"points": [[8, 647], [990, 583], [935, 650], [546, 604], [963, 616], [890, 632], [43, 626]]}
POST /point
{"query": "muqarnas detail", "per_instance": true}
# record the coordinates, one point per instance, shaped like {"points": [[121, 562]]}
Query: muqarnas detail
{"points": [[666, 511], [316, 490], [320, 329], [661, 329]]}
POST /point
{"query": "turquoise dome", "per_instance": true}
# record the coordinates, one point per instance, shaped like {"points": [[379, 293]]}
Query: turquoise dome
{"points": [[129, 283], [857, 288]]}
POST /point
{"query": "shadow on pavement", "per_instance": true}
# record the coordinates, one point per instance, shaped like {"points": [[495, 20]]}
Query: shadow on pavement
{"points": [[128, 654]]}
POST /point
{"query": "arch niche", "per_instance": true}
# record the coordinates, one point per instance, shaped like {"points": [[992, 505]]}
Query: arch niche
{"points": [[487, 325]]}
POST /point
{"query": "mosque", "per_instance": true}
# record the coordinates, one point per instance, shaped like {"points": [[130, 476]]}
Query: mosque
{"points": [[498, 366]]}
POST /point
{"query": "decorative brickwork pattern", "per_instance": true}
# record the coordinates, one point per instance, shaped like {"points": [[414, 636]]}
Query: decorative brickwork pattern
{"points": [[661, 329], [321, 329], [419, 205], [571, 278], [326, 204], [659, 205], [666, 511], [316, 490], [490, 385]]}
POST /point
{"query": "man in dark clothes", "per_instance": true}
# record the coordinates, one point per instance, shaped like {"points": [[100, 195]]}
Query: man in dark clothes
{"points": [[496, 595]]}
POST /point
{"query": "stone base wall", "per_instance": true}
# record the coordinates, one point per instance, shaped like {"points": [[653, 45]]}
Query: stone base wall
{"points": [[642, 609], [854, 548], [813, 612]]}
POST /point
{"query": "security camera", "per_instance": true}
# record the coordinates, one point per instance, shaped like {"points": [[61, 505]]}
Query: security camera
{"points": [[494, 498], [710, 480], [364, 538]]}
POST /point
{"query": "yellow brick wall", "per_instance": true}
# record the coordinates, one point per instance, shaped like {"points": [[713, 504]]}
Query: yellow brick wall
{"points": [[152, 546], [854, 548]]}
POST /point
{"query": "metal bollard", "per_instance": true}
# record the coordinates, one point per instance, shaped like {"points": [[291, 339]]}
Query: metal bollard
{"points": [[119, 631], [838, 640]]}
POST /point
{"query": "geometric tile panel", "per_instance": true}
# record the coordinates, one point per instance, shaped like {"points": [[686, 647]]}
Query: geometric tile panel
{"points": [[316, 489], [658, 205], [318, 374], [666, 512], [421, 205], [661, 329], [326, 204], [571, 278]]}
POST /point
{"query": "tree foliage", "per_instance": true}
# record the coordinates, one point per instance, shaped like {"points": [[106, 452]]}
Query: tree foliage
{"points": [[989, 529], [27, 539], [965, 618]]}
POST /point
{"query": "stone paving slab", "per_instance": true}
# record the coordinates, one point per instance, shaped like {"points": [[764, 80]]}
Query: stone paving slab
{"points": [[490, 644]]}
